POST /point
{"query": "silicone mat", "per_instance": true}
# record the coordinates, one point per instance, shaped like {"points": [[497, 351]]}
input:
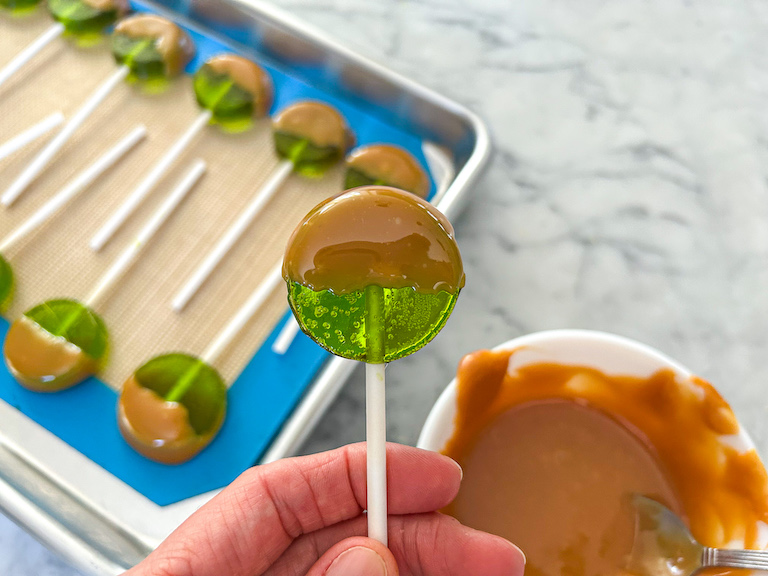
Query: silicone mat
{"points": [[56, 262]]}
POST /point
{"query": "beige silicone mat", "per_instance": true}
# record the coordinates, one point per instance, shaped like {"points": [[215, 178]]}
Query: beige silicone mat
{"points": [[56, 260]]}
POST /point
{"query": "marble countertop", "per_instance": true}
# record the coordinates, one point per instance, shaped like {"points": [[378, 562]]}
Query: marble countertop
{"points": [[628, 191]]}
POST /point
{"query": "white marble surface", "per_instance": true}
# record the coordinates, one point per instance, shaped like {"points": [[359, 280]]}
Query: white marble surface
{"points": [[628, 192]]}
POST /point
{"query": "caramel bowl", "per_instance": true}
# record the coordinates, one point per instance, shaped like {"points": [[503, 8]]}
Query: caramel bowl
{"points": [[555, 432]]}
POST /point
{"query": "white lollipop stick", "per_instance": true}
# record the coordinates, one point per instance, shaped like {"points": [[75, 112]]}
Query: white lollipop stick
{"points": [[128, 207], [74, 187], [376, 447], [286, 337], [127, 258], [232, 235], [35, 168], [29, 52], [241, 318], [31, 134]]}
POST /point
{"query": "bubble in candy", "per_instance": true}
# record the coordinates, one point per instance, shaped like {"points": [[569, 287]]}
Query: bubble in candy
{"points": [[386, 165], [55, 345], [312, 135], [87, 17], [373, 274], [153, 48], [234, 89], [172, 407]]}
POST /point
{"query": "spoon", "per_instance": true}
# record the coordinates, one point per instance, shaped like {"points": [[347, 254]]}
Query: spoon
{"points": [[663, 545]]}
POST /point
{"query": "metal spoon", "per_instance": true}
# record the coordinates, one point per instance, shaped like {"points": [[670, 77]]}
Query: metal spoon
{"points": [[663, 545]]}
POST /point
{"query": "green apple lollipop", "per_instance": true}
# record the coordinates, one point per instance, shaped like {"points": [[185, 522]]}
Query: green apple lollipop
{"points": [[386, 165], [373, 275], [6, 284]]}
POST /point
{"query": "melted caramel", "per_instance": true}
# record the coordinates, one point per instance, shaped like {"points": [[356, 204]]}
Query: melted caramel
{"points": [[549, 450], [43, 362], [249, 76], [172, 42], [158, 429], [391, 165], [319, 123], [374, 235]]}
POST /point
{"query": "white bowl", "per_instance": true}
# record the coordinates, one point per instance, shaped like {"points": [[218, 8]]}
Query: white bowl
{"points": [[612, 355]]}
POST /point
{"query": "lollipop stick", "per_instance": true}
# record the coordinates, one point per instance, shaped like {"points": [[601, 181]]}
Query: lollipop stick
{"points": [[286, 337], [232, 235], [31, 134], [33, 170], [117, 219], [127, 258], [29, 52], [376, 414], [74, 187]]}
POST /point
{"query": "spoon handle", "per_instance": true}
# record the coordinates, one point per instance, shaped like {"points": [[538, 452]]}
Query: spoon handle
{"points": [[751, 559]]}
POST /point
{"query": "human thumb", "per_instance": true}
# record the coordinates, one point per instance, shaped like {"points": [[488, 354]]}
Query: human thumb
{"points": [[356, 557]]}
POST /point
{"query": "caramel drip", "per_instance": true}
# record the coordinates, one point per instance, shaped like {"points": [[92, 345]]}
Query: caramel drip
{"points": [[391, 165], [249, 76], [155, 428], [43, 362], [173, 44], [374, 236], [721, 492], [319, 123]]}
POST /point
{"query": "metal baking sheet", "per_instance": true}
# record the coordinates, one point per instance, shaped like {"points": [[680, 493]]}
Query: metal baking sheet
{"points": [[77, 508]]}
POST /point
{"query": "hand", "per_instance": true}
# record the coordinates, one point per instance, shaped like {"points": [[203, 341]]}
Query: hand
{"points": [[305, 516]]}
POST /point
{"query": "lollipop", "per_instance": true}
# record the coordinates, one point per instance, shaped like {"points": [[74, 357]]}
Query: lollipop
{"points": [[380, 164], [78, 18], [373, 275], [309, 137], [148, 48], [61, 342], [231, 91], [173, 406], [31, 134], [50, 208]]}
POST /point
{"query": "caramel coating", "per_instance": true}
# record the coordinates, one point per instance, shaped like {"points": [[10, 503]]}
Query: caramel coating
{"points": [[391, 165], [249, 76], [319, 123], [43, 362], [374, 235], [173, 44], [158, 429]]}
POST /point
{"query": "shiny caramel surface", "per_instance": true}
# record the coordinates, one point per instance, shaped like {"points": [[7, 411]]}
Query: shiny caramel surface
{"points": [[43, 362], [320, 124], [249, 76], [374, 235], [391, 165], [550, 451], [157, 429], [173, 44]]}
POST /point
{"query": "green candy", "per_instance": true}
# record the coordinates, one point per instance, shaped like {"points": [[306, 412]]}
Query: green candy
{"points": [[19, 5], [76, 323], [81, 18], [308, 159], [405, 320], [6, 284], [217, 91], [355, 178], [140, 55], [191, 382]]}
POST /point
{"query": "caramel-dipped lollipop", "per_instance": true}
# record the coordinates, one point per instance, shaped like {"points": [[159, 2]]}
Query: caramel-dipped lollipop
{"points": [[309, 137], [59, 343], [81, 19], [70, 191], [373, 275], [148, 48], [173, 406], [379, 164], [231, 91]]}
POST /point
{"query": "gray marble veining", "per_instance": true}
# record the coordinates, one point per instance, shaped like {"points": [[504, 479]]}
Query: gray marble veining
{"points": [[628, 192]]}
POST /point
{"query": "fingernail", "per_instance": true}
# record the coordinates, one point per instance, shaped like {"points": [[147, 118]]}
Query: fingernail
{"points": [[461, 470], [525, 560], [358, 561]]}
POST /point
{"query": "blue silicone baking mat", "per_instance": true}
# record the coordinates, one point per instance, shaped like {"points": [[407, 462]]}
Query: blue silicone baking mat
{"points": [[261, 398]]}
